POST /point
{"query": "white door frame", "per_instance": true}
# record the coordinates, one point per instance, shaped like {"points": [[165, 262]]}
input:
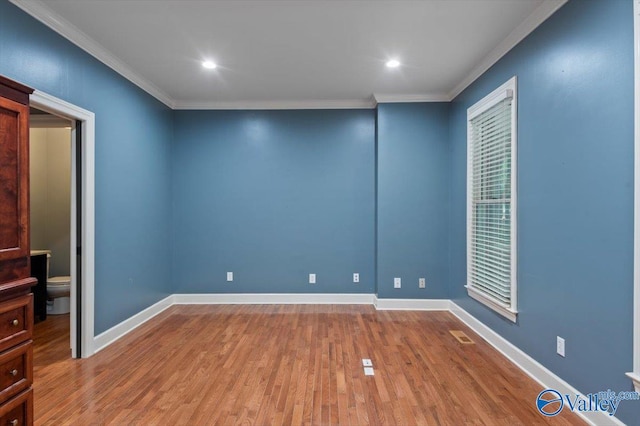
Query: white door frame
{"points": [[64, 109]]}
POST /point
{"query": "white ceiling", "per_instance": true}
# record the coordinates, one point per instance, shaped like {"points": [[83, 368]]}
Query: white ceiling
{"points": [[295, 53]]}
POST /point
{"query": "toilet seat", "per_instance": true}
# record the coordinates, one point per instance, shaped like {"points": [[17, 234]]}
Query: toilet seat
{"points": [[58, 293], [58, 287]]}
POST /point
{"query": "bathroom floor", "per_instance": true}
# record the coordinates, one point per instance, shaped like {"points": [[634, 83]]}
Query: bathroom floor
{"points": [[50, 342]]}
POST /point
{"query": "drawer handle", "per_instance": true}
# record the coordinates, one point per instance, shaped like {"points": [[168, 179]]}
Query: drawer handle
{"points": [[13, 372], [14, 422], [15, 322]]}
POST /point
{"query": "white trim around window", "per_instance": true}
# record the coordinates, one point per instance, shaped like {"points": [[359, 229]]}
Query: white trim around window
{"points": [[491, 200]]}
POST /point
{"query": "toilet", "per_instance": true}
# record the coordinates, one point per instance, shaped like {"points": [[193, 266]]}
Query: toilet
{"points": [[58, 292]]}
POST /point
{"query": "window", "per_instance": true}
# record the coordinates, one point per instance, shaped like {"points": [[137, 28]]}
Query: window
{"points": [[491, 200]]}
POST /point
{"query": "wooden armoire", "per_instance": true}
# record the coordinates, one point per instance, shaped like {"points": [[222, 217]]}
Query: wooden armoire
{"points": [[16, 300]]}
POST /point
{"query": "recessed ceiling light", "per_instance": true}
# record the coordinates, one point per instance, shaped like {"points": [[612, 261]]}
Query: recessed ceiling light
{"points": [[209, 65], [393, 63]]}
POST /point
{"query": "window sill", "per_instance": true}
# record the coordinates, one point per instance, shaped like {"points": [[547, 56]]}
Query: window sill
{"points": [[636, 380], [505, 312]]}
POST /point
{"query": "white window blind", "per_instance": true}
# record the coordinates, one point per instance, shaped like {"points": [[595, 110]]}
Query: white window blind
{"points": [[491, 201]]}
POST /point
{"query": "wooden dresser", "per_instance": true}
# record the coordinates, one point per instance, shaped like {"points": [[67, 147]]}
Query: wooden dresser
{"points": [[16, 300]]}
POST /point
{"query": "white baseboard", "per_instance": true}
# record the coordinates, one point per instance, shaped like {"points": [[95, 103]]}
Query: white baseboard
{"points": [[636, 380], [529, 366], [106, 338], [274, 299], [411, 304]]}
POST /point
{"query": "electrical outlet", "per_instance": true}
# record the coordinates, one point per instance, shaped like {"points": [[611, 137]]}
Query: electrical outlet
{"points": [[422, 283], [397, 283], [229, 276], [356, 277], [312, 278], [366, 362], [560, 346]]}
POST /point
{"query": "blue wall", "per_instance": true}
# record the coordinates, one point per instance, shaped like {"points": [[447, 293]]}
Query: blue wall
{"points": [[133, 142], [413, 199], [273, 196], [575, 189]]}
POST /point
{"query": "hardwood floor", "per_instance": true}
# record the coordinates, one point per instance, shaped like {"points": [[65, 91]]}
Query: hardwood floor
{"points": [[51, 341], [284, 365]]}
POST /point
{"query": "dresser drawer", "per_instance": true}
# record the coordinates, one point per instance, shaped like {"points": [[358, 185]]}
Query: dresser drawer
{"points": [[18, 411], [16, 370], [16, 321]]}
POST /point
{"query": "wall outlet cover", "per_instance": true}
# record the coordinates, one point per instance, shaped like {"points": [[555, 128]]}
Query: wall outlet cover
{"points": [[560, 346], [397, 283], [312, 278], [229, 276]]}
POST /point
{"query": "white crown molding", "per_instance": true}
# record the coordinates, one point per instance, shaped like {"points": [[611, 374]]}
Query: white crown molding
{"points": [[426, 97], [263, 105], [370, 103], [40, 11], [537, 17]]}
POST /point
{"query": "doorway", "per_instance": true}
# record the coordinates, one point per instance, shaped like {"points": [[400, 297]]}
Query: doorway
{"points": [[50, 216], [82, 212]]}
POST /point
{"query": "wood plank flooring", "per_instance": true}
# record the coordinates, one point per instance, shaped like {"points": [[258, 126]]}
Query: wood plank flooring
{"points": [[284, 365]]}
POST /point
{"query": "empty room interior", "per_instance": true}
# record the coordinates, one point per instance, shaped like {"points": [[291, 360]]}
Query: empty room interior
{"points": [[322, 212]]}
